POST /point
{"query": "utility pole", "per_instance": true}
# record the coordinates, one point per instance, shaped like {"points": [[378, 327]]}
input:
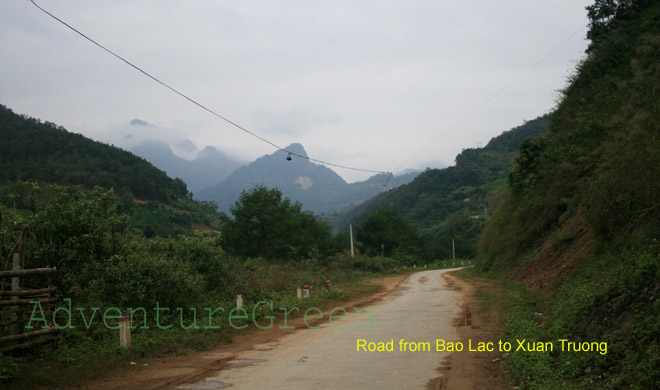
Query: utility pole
{"points": [[350, 228], [453, 250]]}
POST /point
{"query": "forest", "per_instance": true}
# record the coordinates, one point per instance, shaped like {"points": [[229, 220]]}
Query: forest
{"points": [[123, 234], [580, 220], [562, 212]]}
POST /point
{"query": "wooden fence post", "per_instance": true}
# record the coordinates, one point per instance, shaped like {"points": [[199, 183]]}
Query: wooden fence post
{"points": [[18, 301], [15, 285]]}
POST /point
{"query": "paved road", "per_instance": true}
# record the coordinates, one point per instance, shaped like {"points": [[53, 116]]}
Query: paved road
{"points": [[421, 309]]}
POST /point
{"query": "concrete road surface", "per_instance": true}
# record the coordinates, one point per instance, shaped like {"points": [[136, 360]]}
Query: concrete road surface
{"points": [[420, 310]]}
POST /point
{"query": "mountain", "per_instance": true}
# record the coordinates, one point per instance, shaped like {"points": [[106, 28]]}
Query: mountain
{"points": [[36, 150], [317, 187], [453, 201], [32, 150], [580, 219], [209, 167]]}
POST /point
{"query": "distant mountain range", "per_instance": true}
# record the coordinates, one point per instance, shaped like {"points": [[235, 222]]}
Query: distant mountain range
{"points": [[36, 151], [317, 187], [451, 202], [208, 168]]}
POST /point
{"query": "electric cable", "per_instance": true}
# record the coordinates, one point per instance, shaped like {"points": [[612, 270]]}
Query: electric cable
{"points": [[482, 104], [193, 101], [290, 153]]}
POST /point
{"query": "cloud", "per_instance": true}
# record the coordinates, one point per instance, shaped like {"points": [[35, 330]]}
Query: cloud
{"points": [[139, 122], [292, 121], [363, 83]]}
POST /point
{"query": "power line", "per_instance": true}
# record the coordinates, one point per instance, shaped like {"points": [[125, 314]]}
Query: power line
{"points": [[389, 173], [482, 104], [203, 107]]}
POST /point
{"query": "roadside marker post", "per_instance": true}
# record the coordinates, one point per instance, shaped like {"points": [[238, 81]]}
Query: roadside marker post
{"points": [[124, 332]]}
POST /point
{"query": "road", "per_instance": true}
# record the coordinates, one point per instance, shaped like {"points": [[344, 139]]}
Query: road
{"points": [[421, 309]]}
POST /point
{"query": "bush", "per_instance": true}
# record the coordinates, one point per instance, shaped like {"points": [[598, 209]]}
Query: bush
{"points": [[8, 369]]}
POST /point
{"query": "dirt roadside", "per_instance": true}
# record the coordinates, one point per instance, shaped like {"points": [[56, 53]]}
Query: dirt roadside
{"points": [[461, 370], [477, 322], [167, 373]]}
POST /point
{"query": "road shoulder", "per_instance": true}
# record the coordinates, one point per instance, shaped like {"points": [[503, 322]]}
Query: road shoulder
{"points": [[169, 372], [478, 321]]}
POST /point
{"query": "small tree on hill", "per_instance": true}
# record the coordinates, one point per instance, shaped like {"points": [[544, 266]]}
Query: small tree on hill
{"points": [[267, 225]]}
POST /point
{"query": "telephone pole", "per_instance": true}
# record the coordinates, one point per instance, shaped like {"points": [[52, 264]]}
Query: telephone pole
{"points": [[350, 228]]}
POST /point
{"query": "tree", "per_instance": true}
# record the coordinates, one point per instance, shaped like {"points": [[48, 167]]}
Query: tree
{"points": [[603, 12], [274, 228], [385, 232]]}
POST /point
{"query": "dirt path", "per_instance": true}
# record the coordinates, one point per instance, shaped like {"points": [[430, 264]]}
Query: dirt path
{"points": [[474, 370], [167, 373], [418, 311], [420, 307]]}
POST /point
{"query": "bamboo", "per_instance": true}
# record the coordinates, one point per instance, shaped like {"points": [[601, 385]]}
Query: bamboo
{"points": [[29, 344], [28, 335], [27, 272], [39, 291], [13, 322], [46, 308], [18, 302]]}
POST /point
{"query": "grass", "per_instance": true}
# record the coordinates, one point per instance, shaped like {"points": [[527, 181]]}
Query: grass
{"points": [[606, 300], [79, 359]]}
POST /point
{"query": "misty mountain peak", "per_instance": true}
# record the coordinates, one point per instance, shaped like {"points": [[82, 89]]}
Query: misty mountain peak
{"points": [[187, 145], [210, 153], [139, 122], [297, 149]]}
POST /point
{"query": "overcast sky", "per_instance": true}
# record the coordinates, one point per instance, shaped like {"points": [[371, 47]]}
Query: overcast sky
{"points": [[358, 83]]}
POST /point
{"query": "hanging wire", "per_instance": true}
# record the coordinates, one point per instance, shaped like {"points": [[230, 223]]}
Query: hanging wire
{"points": [[195, 102], [290, 153], [486, 101]]}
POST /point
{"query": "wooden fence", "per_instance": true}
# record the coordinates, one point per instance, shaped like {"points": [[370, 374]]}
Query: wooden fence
{"points": [[17, 302]]}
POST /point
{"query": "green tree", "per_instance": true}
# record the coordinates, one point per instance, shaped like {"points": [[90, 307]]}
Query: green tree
{"points": [[463, 231], [385, 232], [267, 225], [603, 12]]}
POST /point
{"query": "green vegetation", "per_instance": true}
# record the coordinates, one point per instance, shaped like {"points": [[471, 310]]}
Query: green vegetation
{"points": [[102, 264], [35, 150], [384, 232], [120, 234], [266, 225], [450, 203], [581, 217], [43, 152], [8, 369]]}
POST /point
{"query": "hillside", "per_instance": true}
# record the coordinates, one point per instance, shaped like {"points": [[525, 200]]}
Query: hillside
{"points": [[208, 168], [317, 187], [581, 217], [36, 150], [32, 150], [451, 202]]}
